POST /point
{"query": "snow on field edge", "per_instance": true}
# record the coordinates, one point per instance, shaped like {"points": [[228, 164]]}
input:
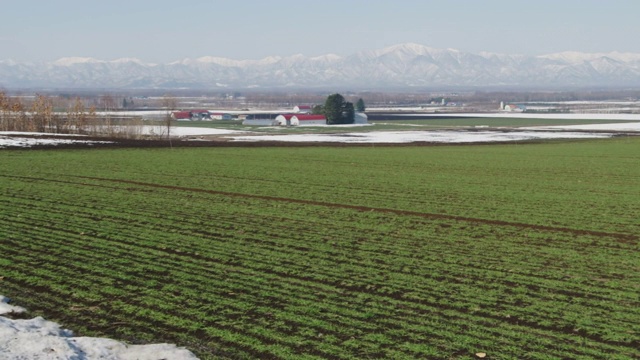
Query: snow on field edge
{"points": [[40, 339], [13, 139], [602, 127], [558, 116], [398, 137], [17, 141]]}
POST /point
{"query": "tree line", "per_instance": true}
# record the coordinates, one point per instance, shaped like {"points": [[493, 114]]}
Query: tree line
{"points": [[45, 114]]}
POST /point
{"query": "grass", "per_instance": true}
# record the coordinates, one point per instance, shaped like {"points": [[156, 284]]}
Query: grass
{"points": [[410, 124], [518, 251], [494, 122]]}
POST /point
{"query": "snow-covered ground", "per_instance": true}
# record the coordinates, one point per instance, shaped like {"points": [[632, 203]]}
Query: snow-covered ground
{"points": [[590, 116], [559, 116], [421, 136], [186, 131], [30, 139], [39, 339], [592, 127], [19, 139]]}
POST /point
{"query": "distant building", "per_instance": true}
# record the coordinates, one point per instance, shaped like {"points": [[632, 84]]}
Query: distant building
{"points": [[295, 119], [181, 115], [191, 115], [265, 119], [200, 115], [284, 119], [302, 109], [514, 108], [221, 116], [308, 120], [361, 118]]}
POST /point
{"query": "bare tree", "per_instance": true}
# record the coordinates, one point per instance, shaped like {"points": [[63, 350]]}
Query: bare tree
{"points": [[91, 120], [6, 123], [169, 104], [76, 116], [19, 117], [42, 114]]}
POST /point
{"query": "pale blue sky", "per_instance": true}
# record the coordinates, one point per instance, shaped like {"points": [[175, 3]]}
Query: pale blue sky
{"points": [[164, 31]]}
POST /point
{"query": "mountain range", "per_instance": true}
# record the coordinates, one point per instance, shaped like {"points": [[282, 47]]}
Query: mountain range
{"points": [[399, 66]]}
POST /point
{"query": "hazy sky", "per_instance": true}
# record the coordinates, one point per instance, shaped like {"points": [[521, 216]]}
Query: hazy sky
{"points": [[168, 30]]}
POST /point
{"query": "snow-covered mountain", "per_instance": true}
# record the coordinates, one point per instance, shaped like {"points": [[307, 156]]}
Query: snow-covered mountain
{"points": [[405, 65]]}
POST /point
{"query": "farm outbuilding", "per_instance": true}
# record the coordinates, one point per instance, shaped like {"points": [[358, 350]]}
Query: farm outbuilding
{"points": [[514, 108], [221, 116], [308, 120], [191, 115], [361, 118], [302, 109], [181, 115], [284, 119], [200, 115], [266, 119]]}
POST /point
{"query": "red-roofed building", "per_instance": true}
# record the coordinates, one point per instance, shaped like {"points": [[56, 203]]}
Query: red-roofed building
{"points": [[191, 115], [284, 119], [181, 115], [200, 114]]}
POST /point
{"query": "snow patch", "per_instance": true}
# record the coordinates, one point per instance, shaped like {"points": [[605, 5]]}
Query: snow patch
{"points": [[5, 308], [38, 338], [632, 127], [570, 116], [399, 137], [187, 131], [9, 139]]}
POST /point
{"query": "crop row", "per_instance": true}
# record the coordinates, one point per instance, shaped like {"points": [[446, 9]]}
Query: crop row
{"points": [[257, 251], [240, 254]]}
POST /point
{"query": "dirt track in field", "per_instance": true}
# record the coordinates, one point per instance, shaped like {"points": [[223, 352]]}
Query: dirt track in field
{"points": [[619, 236], [629, 238]]}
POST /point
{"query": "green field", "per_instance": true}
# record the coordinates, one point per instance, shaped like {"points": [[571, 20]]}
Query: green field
{"points": [[490, 122], [411, 123], [517, 251]]}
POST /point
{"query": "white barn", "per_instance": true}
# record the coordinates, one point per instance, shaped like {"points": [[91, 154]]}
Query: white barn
{"points": [[308, 120], [361, 118], [302, 109], [514, 108], [284, 119]]}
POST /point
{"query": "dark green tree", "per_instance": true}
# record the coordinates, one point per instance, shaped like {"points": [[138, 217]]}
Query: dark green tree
{"points": [[318, 110], [360, 105], [348, 113], [338, 111]]}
